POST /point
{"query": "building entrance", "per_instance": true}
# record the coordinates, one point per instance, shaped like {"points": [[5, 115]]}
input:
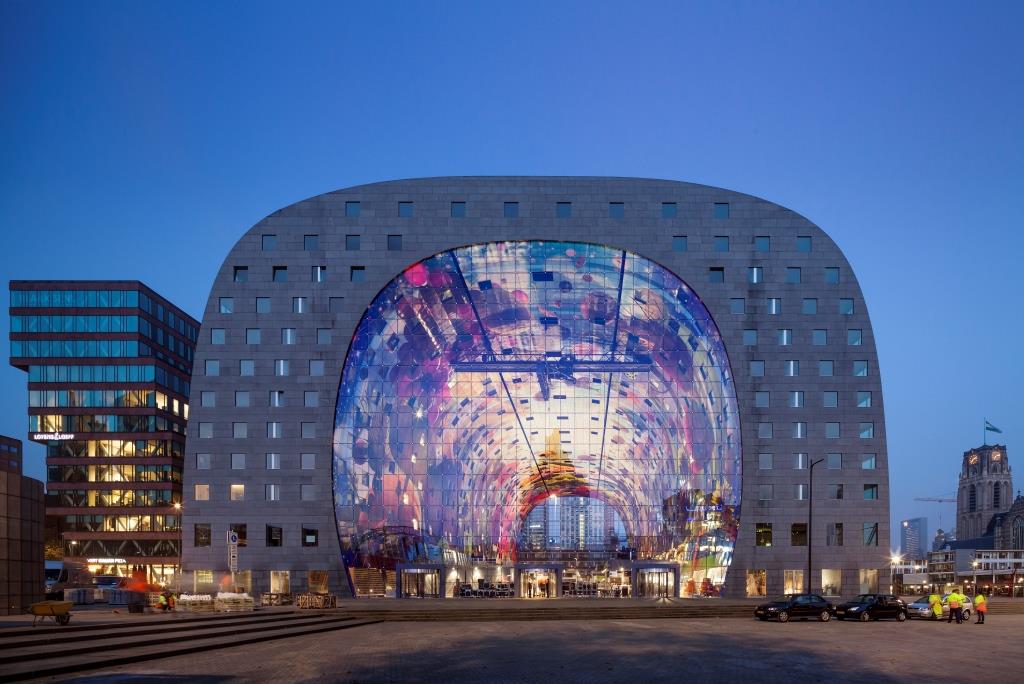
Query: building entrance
{"points": [[656, 583]]}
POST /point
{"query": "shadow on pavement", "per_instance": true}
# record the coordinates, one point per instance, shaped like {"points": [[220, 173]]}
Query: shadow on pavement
{"points": [[144, 678]]}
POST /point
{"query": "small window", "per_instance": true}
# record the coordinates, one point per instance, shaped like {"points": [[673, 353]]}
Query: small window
{"points": [[785, 337], [227, 305], [240, 430], [800, 430], [208, 399], [307, 430], [721, 210], [810, 307], [834, 461], [757, 369], [803, 243], [202, 461], [203, 535], [242, 399], [241, 274], [289, 336], [764, 430], [870, 534], [870, 492], [212, 367], [273, 461], [310, 242], [679, 243], [762, 399], [616, 210], [316, 368], [798, 534], [819, 338], [394, 243], [310, 537], [238, 461], [831, 430], [866, 430], [458, 210], [276, 399], [863, 399], [845, 307], [353, 243], [765, 461], [830, 399], [737, 305], [273, 493], [765, 492], [307, 461], [323, 335], [835, 491], [755, 274], [868, 461], [237, 492], [563, 210], [240, 530], [749, 337], [300, 305], [263, 305], [307, 492], [511, 210], [721, 243], [800, 492], [246, 367], [206, 430], [281, 367], [762, 243], [352, 209], [774, 306], [280, 274], [336, 304], [855, 337], [252, 335], [826, 368], [860, 369], [310, 399], [274, 533], [406, 209], [274, 430], [217, 336], [716, 274], [269, 243], [763, 534], [202, 492], [831, 275], [357, 274], [796, 399], [793, 275], [669, 210], [791, 368]]}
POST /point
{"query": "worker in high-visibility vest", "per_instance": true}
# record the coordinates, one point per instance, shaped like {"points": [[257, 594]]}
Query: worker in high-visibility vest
{"points": [[956, 602], [981, 607], [935, 601]]}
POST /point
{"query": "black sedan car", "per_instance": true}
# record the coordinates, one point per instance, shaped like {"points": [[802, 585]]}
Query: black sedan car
{"points": [[873, 607], [790, 606]]}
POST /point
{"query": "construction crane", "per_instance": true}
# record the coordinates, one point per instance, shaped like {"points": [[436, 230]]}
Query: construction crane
{"points": [[937, 499]]}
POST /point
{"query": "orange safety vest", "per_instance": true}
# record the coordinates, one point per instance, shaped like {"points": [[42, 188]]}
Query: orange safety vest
{"points": [[980, 604], [954, 600]]}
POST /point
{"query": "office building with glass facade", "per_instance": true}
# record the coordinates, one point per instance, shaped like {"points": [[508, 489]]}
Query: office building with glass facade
{"points": [[108, 365], [545, 386]]}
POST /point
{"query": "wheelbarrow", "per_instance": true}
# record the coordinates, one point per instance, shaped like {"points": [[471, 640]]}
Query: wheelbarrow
{"points": [[60, 611]]}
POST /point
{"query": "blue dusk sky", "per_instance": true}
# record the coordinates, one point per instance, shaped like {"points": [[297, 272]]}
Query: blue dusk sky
{"points": [[139, 140]]}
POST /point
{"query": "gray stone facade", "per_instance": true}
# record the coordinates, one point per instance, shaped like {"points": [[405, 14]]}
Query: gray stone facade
{"points": [[337, 304]]}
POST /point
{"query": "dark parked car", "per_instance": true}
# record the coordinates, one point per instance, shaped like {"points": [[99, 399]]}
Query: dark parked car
{"points": [[873, 607], [788, 606]]}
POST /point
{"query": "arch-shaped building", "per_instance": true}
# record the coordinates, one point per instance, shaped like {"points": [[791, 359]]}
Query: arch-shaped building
{"points": [[482, 371]]}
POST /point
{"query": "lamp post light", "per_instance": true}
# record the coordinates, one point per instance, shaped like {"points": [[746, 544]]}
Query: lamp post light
{"points": [[810, 518], [974, 565]]}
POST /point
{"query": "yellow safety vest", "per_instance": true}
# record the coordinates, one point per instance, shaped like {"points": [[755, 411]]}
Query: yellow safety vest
{"points": [[954, 600], [979, 603], [936, 603]]}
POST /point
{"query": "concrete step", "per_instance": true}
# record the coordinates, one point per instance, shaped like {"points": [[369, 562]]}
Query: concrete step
{"points": [[123, 621]]}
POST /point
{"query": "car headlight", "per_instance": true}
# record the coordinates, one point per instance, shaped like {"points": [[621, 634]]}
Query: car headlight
{"points": [[854, 609]]}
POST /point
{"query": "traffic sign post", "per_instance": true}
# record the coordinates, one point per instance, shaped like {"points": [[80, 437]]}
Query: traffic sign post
{"points": [[233, 555]]}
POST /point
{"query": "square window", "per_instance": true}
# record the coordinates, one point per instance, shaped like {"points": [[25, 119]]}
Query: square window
{"points": [[870, 492], [835, 491], [793, 275], [868, 461], [803, 243], [202, 492], [831, 430], [202, 535], [352, 209], [763, 534], [323, 335], [796, 399], [616, 210], [669, 210], [716, 274], [762, 399], [238, 494], [764, 430], [831, 275], [269, 243], [357, 274], [765, 461], [860, 369], [282, 367], [238, 461], [289, 336], [800, 430], [834, 461], [458, 210], [867, 430], [826, 368], [212, 367], [870, 534], [252, 335], [307, 461], [563, 209], [800, 461], [406, 209], [247, 367], [300, 305], [217, 336], [337, 304], [308, 430], [202, 461], [721, 243], [810, 307], [241, 274], [845, 307], [274, 430], [679, 243], [511, 210], [240, 430], [737, 305], [273, 493], [310, 537], [263, 305], [280, 274], [721, 210], [834, 536], [227, 305], [785, 337], [310, 242], [830, 399], [755, 275], [762, 243], [750, 337], [791, 368], [855, 337], [353, 243], [241, 399], [273, 461], [208, 399], [800, 492], [316, 367], [819, 338], [274, 533], [798, 534], [310, 399], [394, 243], [774, 306], [765, 492], [757, 369], [276, 399], [307, 492], [863, 399]]}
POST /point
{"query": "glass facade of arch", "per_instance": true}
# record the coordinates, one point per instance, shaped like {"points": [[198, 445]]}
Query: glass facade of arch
{"points": [[485, 380]]}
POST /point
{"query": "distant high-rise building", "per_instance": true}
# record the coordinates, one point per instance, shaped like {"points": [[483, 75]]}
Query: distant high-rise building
{"points": [[985, 490], [914, 537]]}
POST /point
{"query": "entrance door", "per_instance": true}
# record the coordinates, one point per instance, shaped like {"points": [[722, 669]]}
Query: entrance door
{"points": [[538, 584], [420, 584], [655, 584]]}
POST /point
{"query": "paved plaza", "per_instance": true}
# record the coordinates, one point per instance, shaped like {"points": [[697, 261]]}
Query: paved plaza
{"points": [[713, 650]]}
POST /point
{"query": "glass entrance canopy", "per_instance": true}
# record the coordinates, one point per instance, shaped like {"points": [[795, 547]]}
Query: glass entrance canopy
{"points": [[486, 379]]}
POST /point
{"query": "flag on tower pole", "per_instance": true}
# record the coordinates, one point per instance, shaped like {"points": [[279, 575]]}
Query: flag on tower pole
{"points": [[989, 427]]}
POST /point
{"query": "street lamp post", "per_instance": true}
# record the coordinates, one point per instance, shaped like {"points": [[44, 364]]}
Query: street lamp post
{"points": [[810, 519], [974, 565]]}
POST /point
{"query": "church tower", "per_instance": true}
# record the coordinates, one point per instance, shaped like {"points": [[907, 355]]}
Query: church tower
{"points": [[986, 489]]}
